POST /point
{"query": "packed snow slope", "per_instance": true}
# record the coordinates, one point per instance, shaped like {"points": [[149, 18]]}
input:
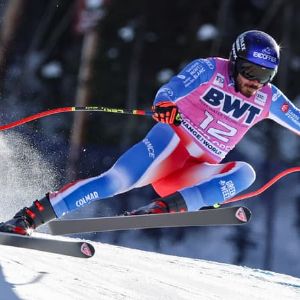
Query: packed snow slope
{"points": [[122, 273]]}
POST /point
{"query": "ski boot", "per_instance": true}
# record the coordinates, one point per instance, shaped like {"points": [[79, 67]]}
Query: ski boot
{"points": [[29, 218], [169, 204]]}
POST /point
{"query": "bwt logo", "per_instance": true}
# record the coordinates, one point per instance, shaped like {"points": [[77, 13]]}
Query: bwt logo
{"points": [[233, 107]]}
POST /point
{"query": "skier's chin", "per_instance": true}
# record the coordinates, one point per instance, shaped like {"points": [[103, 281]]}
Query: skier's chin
{"points": [[248, 90], [247, 87]]}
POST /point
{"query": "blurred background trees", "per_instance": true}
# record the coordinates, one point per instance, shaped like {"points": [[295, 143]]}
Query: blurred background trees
{"points": [[118, 53]]}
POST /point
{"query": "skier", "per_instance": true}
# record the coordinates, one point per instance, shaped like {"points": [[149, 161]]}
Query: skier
{"points": [[216, 101]]}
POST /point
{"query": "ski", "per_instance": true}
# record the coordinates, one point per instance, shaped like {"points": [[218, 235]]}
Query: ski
{"points": [[208, 217], [70, 248]]}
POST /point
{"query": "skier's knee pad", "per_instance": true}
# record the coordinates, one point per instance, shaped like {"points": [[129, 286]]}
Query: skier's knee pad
{"points": [[220, 187], [243, 176]]}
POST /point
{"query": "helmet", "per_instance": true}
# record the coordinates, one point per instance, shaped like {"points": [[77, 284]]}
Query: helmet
{"points": [[255, 55]]}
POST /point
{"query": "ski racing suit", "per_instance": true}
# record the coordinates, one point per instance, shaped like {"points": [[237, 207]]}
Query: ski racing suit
{"points": [[187, 158]]}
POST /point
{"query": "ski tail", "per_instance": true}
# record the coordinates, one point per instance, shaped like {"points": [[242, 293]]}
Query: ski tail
{"points": [[72, 248]]}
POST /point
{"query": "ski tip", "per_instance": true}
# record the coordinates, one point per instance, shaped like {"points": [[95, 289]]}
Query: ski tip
{"points": [[243, 214], [87, 249]]}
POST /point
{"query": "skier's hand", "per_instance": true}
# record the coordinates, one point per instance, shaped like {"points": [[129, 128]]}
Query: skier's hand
{"points": [[166, 112]]}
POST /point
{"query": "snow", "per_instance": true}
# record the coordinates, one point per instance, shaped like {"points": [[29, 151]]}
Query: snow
{"points": [[122, 273]]}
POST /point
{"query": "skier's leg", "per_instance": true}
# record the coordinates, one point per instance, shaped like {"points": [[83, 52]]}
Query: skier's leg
{"points": [[211, 184], [157, 155], [220, 187], [191, 174]]}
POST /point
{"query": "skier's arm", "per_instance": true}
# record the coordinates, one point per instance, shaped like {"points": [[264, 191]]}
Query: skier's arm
{"points": [[193, 75], [284, 112]]}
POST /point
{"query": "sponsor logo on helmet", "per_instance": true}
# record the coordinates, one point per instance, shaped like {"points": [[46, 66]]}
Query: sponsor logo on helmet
{"points": [[240, 43], [233, 52], [265, 56], [267, 50]]}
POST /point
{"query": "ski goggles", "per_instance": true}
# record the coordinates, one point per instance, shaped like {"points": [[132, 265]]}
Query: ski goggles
{"points": [[254, 72]]}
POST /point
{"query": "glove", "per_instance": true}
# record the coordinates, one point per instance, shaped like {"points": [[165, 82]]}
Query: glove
{"points": [[166, 112]]}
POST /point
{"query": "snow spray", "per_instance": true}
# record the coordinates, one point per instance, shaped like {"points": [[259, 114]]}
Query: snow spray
{"points": [[24, 174]]}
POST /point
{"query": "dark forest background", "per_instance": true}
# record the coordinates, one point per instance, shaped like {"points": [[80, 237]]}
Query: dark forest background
{"points": [[118, 53]]}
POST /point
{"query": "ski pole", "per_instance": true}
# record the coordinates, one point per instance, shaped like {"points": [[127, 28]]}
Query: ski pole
{"points": [[43, 114], [264, 187]]}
